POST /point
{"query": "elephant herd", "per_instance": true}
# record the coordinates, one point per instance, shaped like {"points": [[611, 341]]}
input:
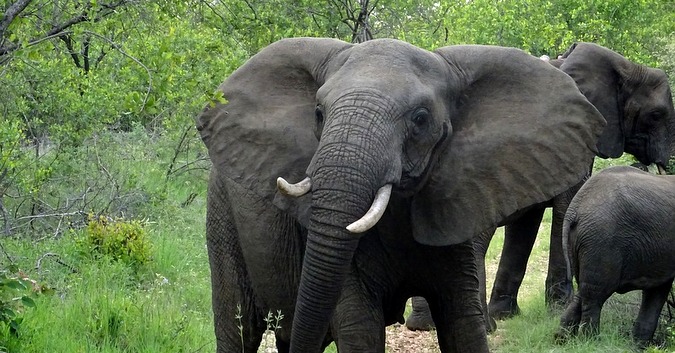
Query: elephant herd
{"points": [[348, 178]]}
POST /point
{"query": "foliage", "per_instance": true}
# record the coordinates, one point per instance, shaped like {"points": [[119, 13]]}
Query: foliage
{"points": [[120, 239], [667, 58], [108, 306], [17, 292], [542, 27]]}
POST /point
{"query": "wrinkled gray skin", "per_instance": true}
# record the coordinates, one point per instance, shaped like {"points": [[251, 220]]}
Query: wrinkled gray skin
{"points": [[619, 232], [636, 101], [432, 124]]}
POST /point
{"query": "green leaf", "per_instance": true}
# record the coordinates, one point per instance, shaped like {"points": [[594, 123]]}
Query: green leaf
{"points": [[15, 284], [28, 301]]}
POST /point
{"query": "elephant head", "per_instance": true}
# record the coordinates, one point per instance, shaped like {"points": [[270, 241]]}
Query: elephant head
{"points": [[447, 130], [635, 100]]}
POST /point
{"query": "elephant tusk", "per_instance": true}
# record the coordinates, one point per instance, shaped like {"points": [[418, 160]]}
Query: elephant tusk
{"points": [[297, 189], [374, 213], [661, 170]]}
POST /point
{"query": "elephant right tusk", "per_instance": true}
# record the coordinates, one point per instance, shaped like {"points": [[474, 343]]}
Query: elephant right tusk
{"points": [[374, 213], [297, 189]]}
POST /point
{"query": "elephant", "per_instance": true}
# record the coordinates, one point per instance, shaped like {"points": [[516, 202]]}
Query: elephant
{"points": [[637, 103], [396, 156], [619, 236]]}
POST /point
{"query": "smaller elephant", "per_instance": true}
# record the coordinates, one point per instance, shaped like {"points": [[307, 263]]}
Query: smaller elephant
{"points": [[619, 236]]}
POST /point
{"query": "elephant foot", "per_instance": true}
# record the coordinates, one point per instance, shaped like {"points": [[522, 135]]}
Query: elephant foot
{"points": [[420, 318], [563, 334], [419, 323], [503, 307]]}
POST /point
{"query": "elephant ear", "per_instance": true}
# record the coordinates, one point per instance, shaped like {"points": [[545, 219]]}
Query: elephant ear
{"points": [[522, 133], [596, 71], [265, 127]]}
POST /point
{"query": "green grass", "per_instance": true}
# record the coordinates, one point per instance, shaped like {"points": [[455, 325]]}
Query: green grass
{"points": [[164, 306]]}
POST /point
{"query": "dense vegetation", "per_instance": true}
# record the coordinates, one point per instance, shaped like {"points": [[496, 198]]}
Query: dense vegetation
{"points": [[102, 175]]}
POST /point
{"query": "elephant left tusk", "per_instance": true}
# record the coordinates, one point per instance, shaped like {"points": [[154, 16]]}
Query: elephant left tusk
{"points": [[297, 189], [374, 213]]}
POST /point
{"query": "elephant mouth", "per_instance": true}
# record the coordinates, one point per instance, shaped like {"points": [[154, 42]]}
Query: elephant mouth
{"points": [[639, 146], [410, 184]]}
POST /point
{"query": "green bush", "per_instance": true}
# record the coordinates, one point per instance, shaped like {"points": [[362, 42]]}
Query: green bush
{"points": [[119, 239], [17, 292]]}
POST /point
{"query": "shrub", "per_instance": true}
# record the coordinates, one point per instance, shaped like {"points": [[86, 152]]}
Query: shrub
{"points": [[119, 239], [17, 292]]}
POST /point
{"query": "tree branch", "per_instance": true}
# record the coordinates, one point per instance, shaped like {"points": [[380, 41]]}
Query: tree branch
{"points": [[11, 13], [69, 45], [115, 46], [85, 53], [105, 10]]}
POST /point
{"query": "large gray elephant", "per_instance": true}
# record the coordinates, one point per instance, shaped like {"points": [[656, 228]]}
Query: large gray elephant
{"points": [[637, 103], [619, 232], [439, 134]]}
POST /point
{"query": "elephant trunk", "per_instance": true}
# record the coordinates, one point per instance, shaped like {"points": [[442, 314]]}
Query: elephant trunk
{"points": [[328, 256], [355, 158], [345, 179]]}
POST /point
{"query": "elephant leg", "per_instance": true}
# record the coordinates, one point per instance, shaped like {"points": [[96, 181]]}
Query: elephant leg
{"points": [[570, 319], [653, 300], [420, 318], [518, 242], [558, 286], [455, 304], [358, 323], [238, 326], [592, 298], [480, 247]]}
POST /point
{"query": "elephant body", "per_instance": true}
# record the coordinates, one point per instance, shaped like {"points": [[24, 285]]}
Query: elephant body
{"points": [[389, 143], [384, 273], [620, 233], [637, 103]]}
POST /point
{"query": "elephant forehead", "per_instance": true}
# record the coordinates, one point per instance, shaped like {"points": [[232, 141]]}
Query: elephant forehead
{"points": [[407, 78], [389, 58]]}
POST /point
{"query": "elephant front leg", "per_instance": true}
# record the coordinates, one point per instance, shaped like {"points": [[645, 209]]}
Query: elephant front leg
{"points": [[480, 247], [455, 305], [420, 317], [518, 242], [558, 286], [358, 323], [237, 325]]}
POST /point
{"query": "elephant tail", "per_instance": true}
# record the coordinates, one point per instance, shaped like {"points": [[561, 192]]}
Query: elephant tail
{"points": [[569, 222]]}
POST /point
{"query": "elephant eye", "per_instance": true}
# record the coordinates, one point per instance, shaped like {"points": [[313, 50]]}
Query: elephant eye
{"points": [[318, 114], [420, 117], [656, 115]]}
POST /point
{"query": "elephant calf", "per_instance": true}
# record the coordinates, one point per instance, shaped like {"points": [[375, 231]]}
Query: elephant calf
{"points": [[619, 235]]}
